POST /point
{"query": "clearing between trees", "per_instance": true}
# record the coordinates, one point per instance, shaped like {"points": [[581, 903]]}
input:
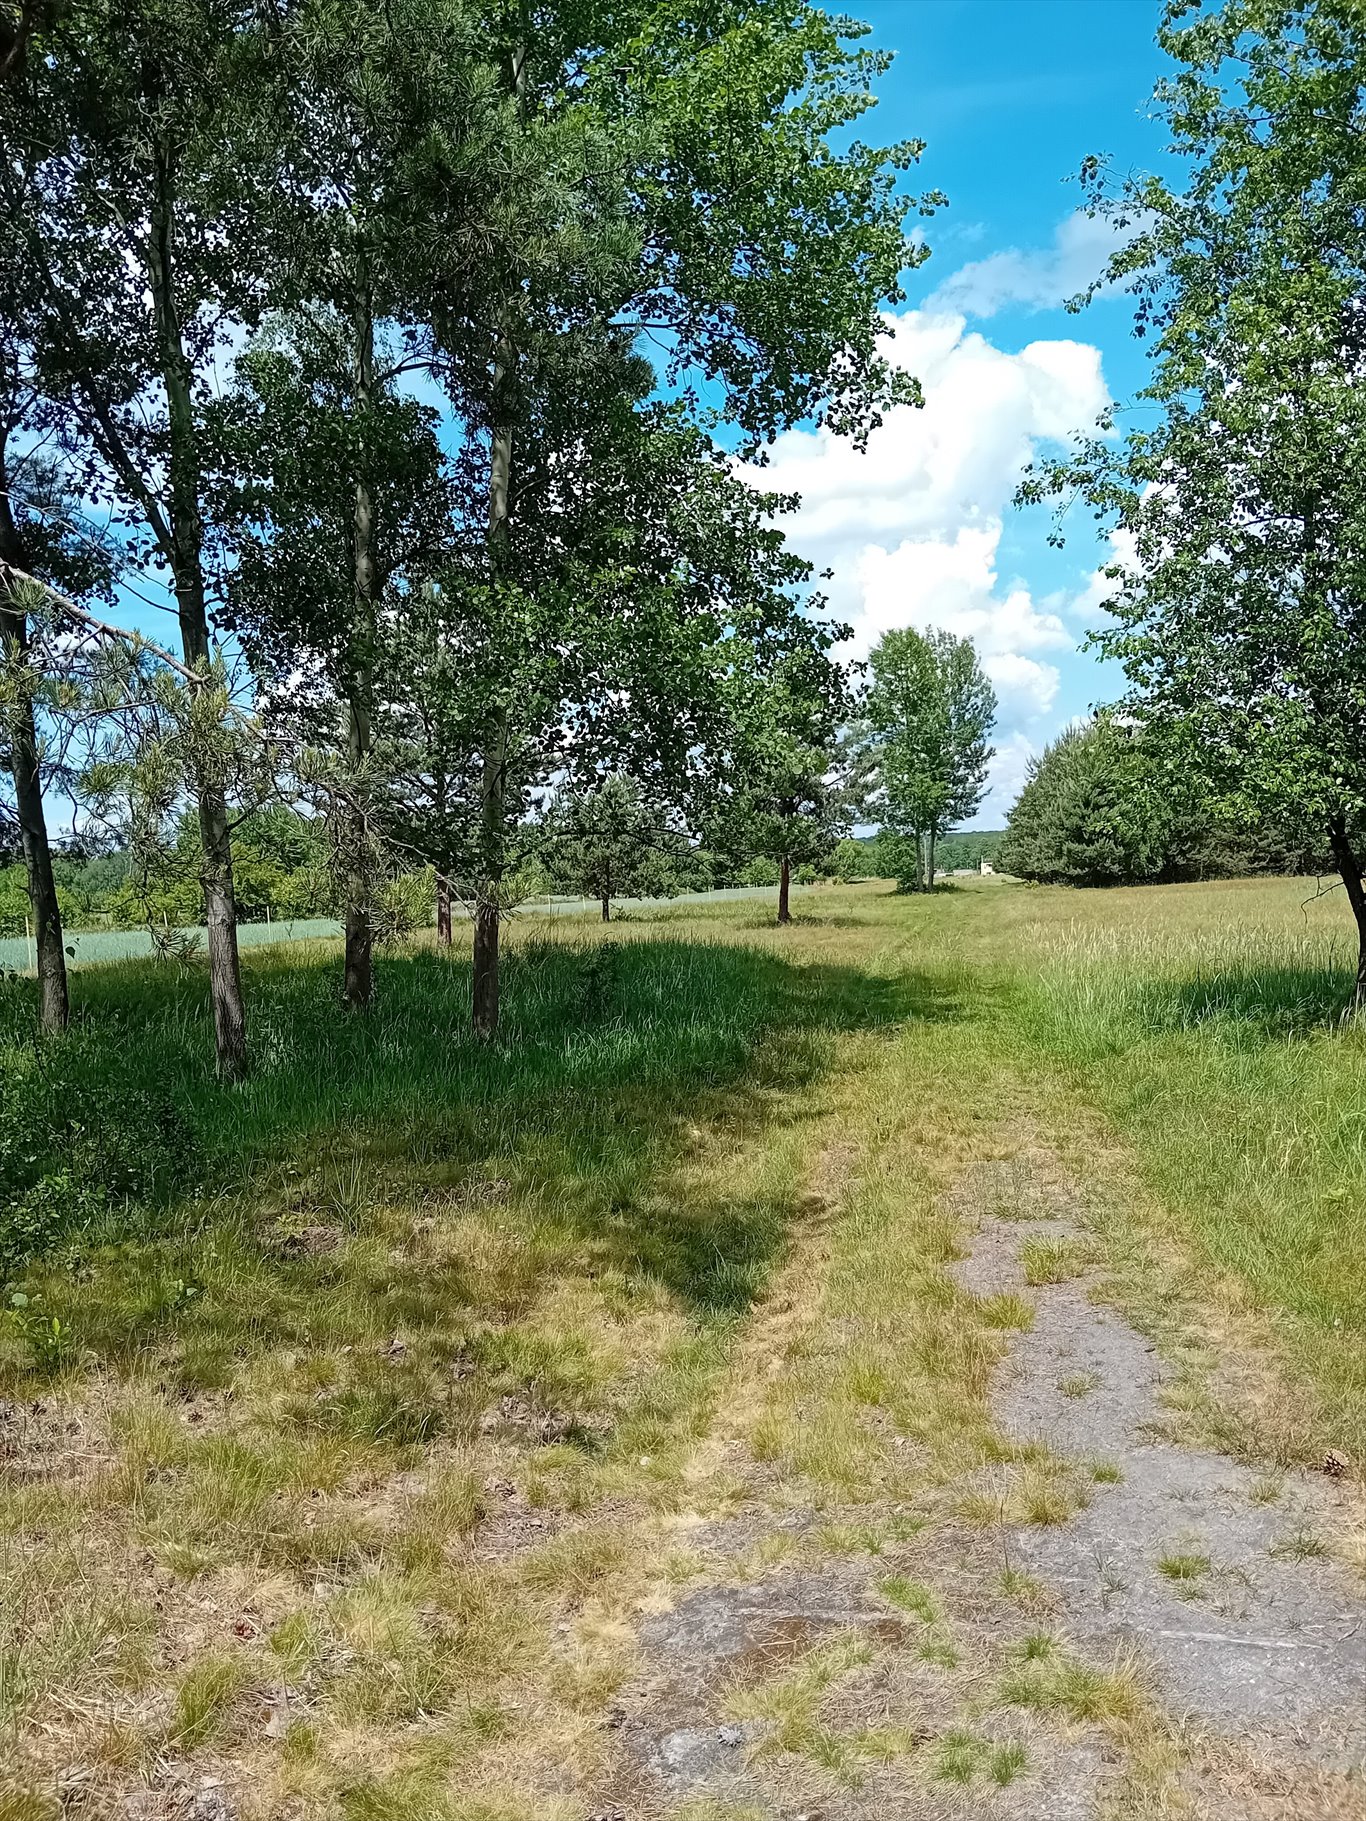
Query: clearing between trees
{"points": [[910, 1362]]}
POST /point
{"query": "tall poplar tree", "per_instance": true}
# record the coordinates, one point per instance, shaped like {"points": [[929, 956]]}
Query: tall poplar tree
{"points": [[126, 209], [928, 717]]}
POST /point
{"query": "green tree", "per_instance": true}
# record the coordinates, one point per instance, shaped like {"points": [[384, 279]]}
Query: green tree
{"points": [[853, 860], [781, 793], [612, 842], [396, 182], [1239, 593], [1093, 811], [289, 439], [719, 217], [127, 214], [928, 718]]}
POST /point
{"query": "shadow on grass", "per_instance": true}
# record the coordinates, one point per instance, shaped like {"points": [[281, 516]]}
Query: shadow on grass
{"points": [[801, 919], [292, 1219], [1257, 1001]]}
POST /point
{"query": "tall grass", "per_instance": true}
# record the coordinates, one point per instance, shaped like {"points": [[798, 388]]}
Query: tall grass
{"points": [[1208, 1023], [603, 1046]]}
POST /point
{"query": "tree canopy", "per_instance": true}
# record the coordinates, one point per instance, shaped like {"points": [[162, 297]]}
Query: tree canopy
{"points": [[1238, 506], [928, 717]]}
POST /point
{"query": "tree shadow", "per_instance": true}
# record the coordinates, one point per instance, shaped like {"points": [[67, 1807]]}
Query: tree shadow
{"points": [[1255, 1001], [802, 919], [295, 1216]]}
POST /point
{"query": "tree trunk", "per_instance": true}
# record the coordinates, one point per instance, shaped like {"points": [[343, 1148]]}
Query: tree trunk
{"points": [[929, 861], [784, 890], [187, 541], [443, 910], [28, 788], [606, 908], [359, 981], [493, 782], [488, 907], [1350, 868], [493, 779]]}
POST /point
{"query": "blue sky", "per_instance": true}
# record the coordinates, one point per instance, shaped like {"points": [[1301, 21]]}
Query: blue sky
{"points": [[1010, 96]]}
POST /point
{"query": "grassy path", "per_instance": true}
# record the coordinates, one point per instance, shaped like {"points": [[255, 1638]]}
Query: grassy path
{"points": [[373, 1481]]}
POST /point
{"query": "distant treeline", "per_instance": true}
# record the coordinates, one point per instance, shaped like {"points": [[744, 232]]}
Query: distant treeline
{"points": [[1099, 808], [283, 869], [970, 849]]}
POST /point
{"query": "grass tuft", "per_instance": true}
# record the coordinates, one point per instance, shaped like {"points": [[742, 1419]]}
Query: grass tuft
{"points": [[1046, 1259]]}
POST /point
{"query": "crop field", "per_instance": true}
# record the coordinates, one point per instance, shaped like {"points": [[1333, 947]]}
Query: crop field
{"points": [[88, 948], [389, 1435]]}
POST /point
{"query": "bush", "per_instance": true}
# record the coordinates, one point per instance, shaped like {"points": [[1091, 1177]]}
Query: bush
{"points": [[74, 1145], [898, 857], [853, 860]]}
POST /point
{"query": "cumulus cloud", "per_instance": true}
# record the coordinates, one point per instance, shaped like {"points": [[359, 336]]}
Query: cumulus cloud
{"points": [[912, 527], [1035, 279], [1008, 774]]}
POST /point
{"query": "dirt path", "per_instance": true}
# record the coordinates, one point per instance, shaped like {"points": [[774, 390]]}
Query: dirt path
{"points": [[1102, 1622]]}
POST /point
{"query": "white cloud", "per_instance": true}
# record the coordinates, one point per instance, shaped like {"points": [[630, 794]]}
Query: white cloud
{"points": [[1024, 687], [1088, 605], [912, 527], [1008, 774], [1040, 279]]}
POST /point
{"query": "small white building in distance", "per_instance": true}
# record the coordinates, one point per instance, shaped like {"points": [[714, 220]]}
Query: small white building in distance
{"points": [[987, 867]]}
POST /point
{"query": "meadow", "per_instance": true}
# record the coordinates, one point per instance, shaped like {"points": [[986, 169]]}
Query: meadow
{"points": [[352, 1416]]}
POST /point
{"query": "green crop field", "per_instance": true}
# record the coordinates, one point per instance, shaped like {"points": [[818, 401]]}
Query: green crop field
{"points": [[367, 1402]]}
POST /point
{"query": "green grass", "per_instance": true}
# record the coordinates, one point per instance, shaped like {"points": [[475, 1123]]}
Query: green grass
{"points": [[1046, 1260], [1205, 1022], [1185, 1568], [382, 1366]]}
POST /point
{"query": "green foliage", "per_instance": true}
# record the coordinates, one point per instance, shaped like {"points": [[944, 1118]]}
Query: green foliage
{"points": [[16, 912], [79, 1141], [899, 857], [781, 794], [1239, 502], [1093, 811], [927, 721], [612, 842], [853, 860], [48, 1338], [1103, 805], [969, 848]]}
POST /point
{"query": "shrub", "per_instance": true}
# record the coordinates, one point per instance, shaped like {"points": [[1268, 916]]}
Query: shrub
{"points": [[75, 1144]]}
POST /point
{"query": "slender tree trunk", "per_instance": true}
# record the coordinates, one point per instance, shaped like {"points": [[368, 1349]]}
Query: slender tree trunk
{"points": [[187, 539], [487, 909], [606, 908], [493, 779], [28, 787], [443, 910], [359, 981], [929, 861], [784, 890], [1350, 868], [493, 782]]}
